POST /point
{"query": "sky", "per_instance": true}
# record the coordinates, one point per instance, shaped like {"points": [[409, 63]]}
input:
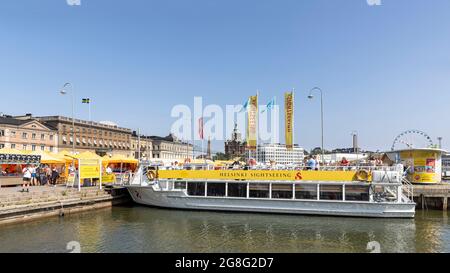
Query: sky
{"points": [[383, 69]]}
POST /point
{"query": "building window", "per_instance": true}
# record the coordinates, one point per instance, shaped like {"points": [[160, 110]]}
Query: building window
{"points": [[13, 146], [2, 133], [33, 136], [24, 147], [13, 133], [51, 137], [33, 148], [24, 135], [51, 149], [2, 145], [42, 137], [42, 148]]}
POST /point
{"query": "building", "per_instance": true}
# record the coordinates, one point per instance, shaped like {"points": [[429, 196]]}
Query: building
{"points": [[99, 137], [279, 154], [446, 165], [27, 135], [146, 147], [235, 147], [169, 148], [336, 157]]}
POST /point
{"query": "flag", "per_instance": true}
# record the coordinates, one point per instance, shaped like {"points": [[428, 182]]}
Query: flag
{"points": [[252, 123], [87, 101], [289, 119], [270, 105], [200, 128], [245, 106]]}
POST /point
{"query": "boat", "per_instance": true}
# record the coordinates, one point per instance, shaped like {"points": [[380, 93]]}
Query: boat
{"points": [[367, 192]]}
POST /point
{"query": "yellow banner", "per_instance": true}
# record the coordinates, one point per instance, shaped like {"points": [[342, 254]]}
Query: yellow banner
{"points": [[109, 178], [90, 168], [259, 175], [252, 124], [289, 119]]}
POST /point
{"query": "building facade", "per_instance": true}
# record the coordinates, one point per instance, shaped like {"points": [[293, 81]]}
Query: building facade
{"points": [[278, 153], [97, 137], [235, 147], [169, 148], [146, 147], [27, 135]]}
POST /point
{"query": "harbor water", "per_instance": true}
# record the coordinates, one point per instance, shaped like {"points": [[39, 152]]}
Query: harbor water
{"points": [[139, 229]]}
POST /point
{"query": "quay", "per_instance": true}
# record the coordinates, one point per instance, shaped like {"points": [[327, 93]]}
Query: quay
{"points": [[432, 196], [41, 202]]}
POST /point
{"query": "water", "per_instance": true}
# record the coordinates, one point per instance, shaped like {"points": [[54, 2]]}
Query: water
{"points": [[141, 229]]}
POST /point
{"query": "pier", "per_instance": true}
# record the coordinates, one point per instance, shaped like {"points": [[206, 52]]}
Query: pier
{"points": [[43, 202], [432, 196]]}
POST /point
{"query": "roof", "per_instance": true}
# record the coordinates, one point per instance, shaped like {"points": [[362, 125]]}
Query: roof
{"points": [[12, 121]]}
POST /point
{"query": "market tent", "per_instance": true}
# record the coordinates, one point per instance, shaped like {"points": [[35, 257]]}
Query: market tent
{"points": [[47, 158], [8, 151], [88, 155], [119, 159]]}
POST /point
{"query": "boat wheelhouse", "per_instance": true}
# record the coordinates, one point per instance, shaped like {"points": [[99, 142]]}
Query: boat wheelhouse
{"points": [[356, 193]]}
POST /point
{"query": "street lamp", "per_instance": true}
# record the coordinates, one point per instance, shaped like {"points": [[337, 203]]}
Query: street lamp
{"points": [[311, 96], [64, 92]]}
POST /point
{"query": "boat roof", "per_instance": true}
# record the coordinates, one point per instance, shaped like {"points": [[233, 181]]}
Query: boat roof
{"points": [[420, 149]]}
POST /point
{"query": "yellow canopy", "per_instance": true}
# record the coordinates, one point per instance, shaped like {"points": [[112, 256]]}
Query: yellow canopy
{"points": [[119, 159], [47, 158], [8, 151], [88, 155]]}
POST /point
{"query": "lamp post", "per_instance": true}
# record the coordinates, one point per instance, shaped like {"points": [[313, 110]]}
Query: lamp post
{"points": [[64, 92], [311, 96]]}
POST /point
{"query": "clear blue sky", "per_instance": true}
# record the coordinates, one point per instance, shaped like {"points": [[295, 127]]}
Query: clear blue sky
{"points": [[384, 69]]}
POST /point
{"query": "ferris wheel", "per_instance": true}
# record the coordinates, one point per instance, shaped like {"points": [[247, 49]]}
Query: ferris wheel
{"points": [[413, 139]]}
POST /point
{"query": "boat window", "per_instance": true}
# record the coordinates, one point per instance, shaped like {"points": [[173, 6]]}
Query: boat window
{"points": [[216, 189], [357, 193], [180, 185], [306, 192], [196, 188], [331, 192], [258, 190], [282, 191], [237, 190]]}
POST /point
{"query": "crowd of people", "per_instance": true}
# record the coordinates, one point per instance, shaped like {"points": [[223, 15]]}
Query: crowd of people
{"points": [[42, 175]]}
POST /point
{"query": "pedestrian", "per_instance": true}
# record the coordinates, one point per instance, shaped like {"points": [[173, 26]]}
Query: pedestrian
{"points": [[33, 175], [48, 173], [55, 176], [26, 179]]}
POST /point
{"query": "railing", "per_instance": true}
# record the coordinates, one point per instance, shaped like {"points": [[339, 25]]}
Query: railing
{"points": [[408, 189]]}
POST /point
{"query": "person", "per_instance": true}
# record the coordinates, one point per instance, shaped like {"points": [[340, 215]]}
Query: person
{"points": [[26, 179], [109, 170], [317, 163], [42, 177], [311, 164], [344, 162], [55, 176], [33, 175]]}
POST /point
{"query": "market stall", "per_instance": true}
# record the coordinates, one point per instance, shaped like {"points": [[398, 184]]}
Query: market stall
{"points": [[118, 168], [12, 162]]}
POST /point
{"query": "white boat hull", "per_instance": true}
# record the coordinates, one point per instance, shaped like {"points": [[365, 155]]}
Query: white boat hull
{"points": [[146, 195]]}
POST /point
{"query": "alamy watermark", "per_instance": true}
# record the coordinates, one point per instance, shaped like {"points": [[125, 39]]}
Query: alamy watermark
{"points": [[217, 123], [73, 2]]}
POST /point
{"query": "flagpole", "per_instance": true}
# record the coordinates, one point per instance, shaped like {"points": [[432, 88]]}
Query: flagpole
{"points": [[257, 125]]}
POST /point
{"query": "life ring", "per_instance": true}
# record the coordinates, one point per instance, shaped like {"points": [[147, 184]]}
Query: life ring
{"points": [[151, 175], [362, 175]]}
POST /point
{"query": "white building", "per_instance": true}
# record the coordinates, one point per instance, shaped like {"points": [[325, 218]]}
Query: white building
{"points": [[337, 157], [278, 153]]}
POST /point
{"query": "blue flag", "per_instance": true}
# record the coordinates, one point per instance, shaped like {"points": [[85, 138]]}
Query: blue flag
{"points": [[244, 108], [270, 105]]}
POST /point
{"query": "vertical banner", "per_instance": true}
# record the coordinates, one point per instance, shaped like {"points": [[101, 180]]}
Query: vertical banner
{"points": [[289, 119], [252, 123]]}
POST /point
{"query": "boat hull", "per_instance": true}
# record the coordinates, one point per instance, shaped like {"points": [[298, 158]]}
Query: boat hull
{"points": [[179, 200]]}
